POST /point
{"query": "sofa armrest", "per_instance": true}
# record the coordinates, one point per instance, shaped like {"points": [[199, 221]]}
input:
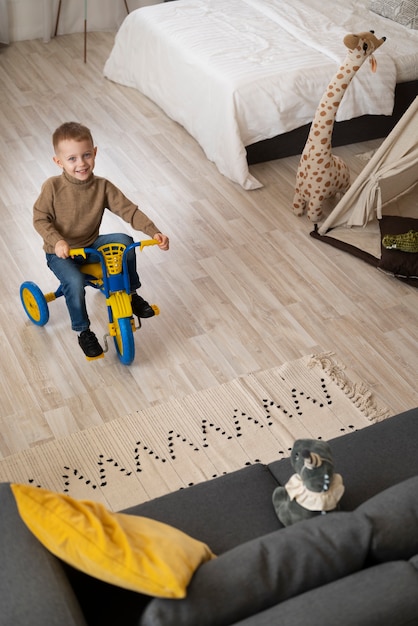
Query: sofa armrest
{"points": [[33, 586], [385, 595]]}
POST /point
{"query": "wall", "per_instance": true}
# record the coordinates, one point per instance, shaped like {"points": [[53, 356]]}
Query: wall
{"points": [[34, 19]]}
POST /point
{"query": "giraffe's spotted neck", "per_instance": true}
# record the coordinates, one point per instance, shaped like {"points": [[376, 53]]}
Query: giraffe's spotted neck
{"points": [[323, 122]]}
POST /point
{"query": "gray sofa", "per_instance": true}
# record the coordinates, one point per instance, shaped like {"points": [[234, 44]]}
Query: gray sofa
{"points": [[355, 567]]}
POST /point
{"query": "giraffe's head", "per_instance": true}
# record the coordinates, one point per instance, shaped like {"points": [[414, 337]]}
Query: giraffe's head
{"points": [[366, 42], [363, 45]]}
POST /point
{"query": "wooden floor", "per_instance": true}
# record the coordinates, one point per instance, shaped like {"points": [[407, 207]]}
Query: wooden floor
{"points": [[243, 287]]}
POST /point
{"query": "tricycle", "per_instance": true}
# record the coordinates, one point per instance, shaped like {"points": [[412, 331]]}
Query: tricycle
{"points": [[109, 274]]}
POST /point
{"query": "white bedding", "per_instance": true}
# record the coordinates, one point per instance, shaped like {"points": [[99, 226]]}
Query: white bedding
{"points": [[234, 72]]}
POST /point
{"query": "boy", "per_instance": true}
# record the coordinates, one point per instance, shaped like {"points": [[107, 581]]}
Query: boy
{"points": [[68, 214]]}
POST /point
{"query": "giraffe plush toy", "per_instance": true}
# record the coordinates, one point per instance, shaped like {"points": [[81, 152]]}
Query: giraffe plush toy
{"points": [[321, 174]]}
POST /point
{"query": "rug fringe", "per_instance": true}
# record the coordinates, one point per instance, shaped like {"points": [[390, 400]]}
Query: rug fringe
{"points": [[359, 394]]}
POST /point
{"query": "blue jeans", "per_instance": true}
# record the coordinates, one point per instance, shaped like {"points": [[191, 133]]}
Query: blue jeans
{"points": [[73, 282]]}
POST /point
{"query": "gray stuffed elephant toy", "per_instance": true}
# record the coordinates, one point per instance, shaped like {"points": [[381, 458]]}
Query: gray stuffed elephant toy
{"points": [[314, 489]]}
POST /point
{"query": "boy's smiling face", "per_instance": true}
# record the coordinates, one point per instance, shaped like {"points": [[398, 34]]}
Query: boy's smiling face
{"points": [[76, 158]]}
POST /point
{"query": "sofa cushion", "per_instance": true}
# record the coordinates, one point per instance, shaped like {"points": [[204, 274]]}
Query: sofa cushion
{"points": [[394, 518], [222, 512], [33, 587], [384, 595], [414, 561], [267, 570], [135, 553]]}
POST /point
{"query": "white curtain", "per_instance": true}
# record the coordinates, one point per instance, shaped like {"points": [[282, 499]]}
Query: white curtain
{"points": [[101, 15], [4, 22], [47, 10], [34, 19]]}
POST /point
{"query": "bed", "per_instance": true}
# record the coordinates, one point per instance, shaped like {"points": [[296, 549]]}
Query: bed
{"points": [[242, 75]]}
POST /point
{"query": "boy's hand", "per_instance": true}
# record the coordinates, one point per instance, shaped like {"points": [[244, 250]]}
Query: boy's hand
{"points": [[163, 241], [62, 249]]}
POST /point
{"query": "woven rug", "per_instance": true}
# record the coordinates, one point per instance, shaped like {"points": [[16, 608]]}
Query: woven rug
{"points": [[163, 448]]}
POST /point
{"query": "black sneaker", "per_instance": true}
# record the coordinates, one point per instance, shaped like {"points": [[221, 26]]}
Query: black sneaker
{"points": [[89, 344], [140, 307]]}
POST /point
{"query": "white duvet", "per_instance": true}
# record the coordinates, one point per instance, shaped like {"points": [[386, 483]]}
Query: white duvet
{"points": [[234, 72]]}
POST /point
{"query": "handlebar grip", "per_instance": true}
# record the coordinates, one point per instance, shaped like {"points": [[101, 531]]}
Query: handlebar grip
{"points": [[148, 242], [78, 252]]}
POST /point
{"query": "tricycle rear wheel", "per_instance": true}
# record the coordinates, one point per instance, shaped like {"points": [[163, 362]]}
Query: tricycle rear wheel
{"points": [[34, 303]]}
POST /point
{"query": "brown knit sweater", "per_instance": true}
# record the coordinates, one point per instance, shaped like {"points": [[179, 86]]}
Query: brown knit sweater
{"points": [[72, 210]]}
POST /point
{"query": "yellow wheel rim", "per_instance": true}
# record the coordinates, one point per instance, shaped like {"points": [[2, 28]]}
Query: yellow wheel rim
{"points": [[31, 304]]}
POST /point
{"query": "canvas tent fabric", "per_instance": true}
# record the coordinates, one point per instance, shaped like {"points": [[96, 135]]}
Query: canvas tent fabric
{"points": [[387, 186], [392, 172]]}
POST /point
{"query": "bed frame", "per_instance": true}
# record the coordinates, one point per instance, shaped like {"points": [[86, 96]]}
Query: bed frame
{"points": [[355, 130]]}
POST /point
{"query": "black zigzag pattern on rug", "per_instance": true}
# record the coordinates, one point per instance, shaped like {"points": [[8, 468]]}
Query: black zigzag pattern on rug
{"points": [[239, 421]]}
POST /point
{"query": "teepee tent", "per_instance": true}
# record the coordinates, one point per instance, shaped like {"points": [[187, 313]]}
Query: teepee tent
{"points": [[382, 200], [392, 172]]}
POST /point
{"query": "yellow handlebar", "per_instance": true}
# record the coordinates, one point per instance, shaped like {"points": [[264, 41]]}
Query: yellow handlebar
{"points": [[78, 252], [146, 242]]}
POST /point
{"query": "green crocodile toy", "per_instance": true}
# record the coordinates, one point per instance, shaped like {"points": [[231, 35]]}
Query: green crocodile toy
{"points": [[407, 242]]}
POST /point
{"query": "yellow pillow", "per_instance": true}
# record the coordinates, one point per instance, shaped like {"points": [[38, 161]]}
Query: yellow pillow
{"points": [[133, 552]]}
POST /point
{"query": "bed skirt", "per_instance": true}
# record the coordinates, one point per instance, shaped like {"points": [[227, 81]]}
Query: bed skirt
{"points": [[358, 129]]}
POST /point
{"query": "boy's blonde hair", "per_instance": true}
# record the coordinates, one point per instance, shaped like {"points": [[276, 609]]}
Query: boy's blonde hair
{"points": [[71, 130]]}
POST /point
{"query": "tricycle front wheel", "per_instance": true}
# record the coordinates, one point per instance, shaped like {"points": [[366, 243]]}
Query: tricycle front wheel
{"points": [[124, 340], [34, 303]]}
